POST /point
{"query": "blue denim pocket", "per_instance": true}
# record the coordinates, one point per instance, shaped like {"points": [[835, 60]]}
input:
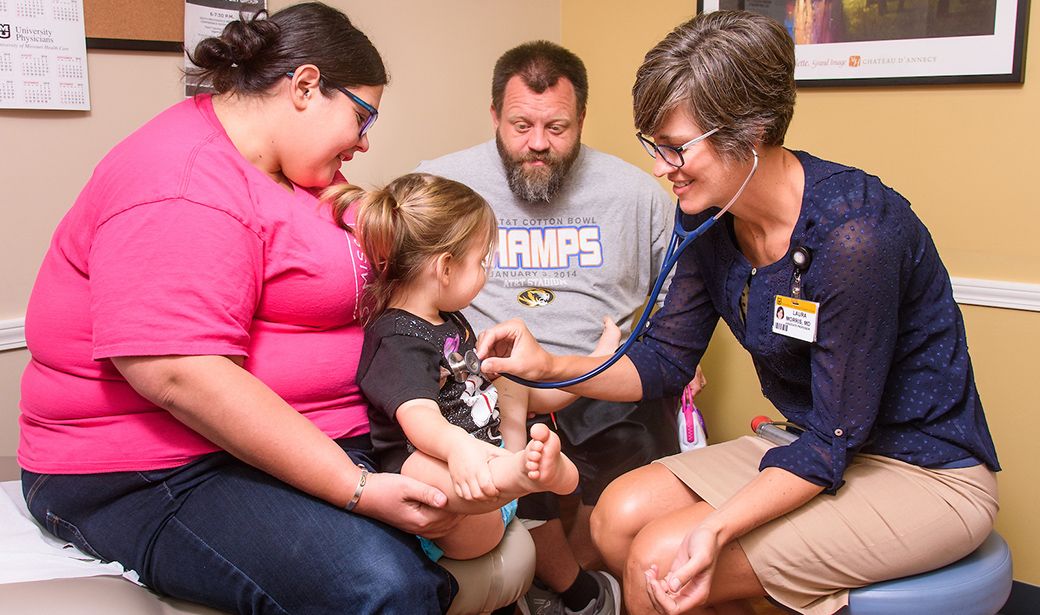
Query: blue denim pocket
{"points": [[31, 484], [70, 533], [33, 488]]}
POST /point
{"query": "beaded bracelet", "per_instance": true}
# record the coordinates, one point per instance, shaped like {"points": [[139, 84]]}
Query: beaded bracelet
{"points": [[360, 487]]}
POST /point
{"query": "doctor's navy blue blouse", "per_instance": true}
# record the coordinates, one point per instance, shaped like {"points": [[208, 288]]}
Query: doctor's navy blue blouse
{"points": [[889, 373]]}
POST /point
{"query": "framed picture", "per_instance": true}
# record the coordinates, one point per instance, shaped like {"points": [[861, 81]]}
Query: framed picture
{"points": [[887, 42]]}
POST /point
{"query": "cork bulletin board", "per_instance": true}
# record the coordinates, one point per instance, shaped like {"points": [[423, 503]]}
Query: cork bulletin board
{"points": [[145, 25]]}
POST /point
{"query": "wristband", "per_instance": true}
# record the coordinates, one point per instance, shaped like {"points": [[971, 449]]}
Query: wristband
{"points": [[360, 487]]}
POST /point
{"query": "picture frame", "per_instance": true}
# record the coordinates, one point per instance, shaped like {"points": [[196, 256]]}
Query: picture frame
{"points": [[896, 42]]}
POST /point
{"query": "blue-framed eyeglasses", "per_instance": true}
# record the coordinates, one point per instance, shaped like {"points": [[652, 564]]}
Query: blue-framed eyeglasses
{"points": [[363, 123], [669, 153]]}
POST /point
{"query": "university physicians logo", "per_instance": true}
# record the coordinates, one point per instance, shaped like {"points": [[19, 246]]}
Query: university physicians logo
{"points": [[536, 297]]}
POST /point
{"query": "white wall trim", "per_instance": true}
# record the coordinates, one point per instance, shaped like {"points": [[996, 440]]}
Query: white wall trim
{"points": [[12, 334], [996, 293], [967, 291]]}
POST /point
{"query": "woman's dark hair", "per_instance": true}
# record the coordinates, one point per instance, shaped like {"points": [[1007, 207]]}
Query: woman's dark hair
{"points": [[252, 54], [540, 64]]}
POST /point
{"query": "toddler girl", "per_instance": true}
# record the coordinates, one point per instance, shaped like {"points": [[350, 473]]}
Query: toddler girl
{"points": [[429, 242]]}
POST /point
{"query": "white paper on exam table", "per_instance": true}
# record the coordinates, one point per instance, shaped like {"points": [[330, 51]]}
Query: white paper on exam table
{"points": [[29, 553]]}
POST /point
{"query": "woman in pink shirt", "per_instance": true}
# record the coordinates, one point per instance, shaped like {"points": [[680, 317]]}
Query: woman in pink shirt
{"points": [[190, 409]]}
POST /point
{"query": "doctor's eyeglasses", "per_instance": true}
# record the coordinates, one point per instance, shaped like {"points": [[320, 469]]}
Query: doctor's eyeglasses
{"points": [[671, 154]]}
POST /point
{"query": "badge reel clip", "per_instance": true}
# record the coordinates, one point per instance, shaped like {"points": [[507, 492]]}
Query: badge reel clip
{"points": [[801, 258]]}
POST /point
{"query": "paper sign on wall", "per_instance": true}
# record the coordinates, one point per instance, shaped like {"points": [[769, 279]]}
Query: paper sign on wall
{"points": [[206, 18]]}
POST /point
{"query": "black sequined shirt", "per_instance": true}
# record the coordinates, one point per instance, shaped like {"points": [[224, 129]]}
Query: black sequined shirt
{"points": [[403, 358]]}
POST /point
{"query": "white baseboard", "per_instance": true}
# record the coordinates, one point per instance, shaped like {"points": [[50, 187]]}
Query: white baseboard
{"points": [[966, 291], [12, 334]]}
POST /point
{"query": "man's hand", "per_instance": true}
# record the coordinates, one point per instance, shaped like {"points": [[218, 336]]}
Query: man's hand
{"points": [[609, 339], [698, 382]]}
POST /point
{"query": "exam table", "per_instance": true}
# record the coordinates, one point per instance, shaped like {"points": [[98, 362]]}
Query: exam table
{"points": [[40, 575]]}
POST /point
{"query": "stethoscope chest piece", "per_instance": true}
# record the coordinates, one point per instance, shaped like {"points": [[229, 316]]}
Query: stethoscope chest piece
{"points": [[462, 366]]}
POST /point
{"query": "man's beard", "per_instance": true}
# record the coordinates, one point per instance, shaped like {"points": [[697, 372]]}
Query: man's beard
{"points": [[537, 183]]}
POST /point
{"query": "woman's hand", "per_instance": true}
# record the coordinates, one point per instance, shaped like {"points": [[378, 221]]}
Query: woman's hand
{"points": [[407, 504], [470, 473], [510, 348], [687, 584]]}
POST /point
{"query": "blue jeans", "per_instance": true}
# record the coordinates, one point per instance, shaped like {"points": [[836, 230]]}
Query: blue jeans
{"points": [[220, 532]]}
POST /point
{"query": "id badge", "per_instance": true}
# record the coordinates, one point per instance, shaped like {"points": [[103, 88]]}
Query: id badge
{"points": [[795, 318]]}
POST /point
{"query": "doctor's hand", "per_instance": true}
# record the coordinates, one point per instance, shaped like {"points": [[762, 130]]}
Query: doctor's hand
{"points": [[687, 584], [407, 504], [510, 348]]}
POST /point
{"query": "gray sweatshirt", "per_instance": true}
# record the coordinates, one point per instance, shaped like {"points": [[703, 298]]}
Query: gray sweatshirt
{"points": [[594, 251]]}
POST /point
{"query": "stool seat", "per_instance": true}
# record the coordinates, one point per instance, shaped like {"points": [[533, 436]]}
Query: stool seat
{"points": [[979, 584]]}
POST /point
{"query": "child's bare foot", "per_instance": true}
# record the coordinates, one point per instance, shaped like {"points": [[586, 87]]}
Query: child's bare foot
{"points": [[546, 466]]}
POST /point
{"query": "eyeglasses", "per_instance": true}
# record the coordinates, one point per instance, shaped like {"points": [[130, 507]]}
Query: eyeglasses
{"points": [[670, 154], [364, 123]]}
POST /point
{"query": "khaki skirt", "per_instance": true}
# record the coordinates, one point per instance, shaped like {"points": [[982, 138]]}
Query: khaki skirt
{"points": [[891, 519]]}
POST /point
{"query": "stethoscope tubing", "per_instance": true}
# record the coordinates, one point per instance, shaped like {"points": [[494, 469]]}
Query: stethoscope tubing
{"points": [[681, 239]]}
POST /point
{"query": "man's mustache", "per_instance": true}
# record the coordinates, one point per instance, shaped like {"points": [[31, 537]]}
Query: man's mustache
{"points": [[546, 158]]}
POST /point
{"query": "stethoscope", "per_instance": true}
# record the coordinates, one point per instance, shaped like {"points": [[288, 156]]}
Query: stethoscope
{"points": [[681, 239]]}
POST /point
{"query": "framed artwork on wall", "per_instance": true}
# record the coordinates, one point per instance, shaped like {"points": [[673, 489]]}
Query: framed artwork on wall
{"points": [[890, 42]]}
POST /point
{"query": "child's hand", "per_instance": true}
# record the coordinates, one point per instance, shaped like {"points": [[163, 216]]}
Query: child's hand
{"points": [[470, 474], [608, 341]]}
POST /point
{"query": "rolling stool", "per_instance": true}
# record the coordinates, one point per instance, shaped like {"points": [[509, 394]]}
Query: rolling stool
{"points": [[979, 584]]}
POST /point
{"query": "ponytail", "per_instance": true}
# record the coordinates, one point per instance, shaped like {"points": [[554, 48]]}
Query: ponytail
{"points": [[405, 224]]}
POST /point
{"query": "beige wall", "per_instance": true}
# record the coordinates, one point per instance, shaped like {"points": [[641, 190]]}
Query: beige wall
{"points": [[437, 102], [440, 55], [957, 152], [961, 154]]}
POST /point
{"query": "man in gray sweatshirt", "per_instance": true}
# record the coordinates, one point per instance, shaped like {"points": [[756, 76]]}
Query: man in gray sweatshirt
{"points": [[581, 236]]}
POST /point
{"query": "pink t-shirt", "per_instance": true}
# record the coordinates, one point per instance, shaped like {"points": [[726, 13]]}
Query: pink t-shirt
{"points": [[179, 246]]}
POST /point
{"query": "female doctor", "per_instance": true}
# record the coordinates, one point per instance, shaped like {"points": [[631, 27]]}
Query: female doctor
{"points": [[894, 472]]}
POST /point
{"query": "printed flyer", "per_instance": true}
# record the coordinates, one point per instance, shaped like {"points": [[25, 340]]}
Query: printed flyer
{"points": [[206, 18]]}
